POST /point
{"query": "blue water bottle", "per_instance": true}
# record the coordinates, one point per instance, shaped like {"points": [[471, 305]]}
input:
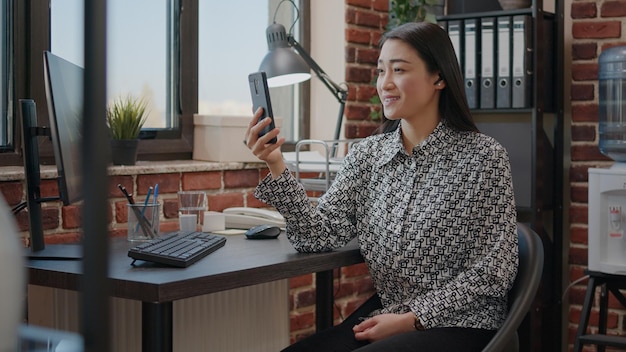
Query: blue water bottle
{"points": [[612, 103]]}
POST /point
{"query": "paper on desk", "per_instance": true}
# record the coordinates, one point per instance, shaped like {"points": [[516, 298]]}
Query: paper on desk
{"points": [[230, 232]]}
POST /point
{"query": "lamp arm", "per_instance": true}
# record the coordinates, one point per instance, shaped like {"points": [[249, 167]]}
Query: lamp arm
{"points": [[339, 92]]}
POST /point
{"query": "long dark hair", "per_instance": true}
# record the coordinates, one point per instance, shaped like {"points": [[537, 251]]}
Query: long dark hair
{"points": [[433, 45]]}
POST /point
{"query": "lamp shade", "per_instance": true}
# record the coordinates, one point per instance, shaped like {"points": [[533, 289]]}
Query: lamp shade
{"points": [[282, 65]]}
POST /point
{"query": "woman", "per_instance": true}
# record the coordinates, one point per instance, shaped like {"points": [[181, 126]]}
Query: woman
{"points": [[430, 200]]}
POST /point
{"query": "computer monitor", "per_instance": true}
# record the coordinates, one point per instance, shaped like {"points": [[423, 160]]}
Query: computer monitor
{"points": [[64, 93]]}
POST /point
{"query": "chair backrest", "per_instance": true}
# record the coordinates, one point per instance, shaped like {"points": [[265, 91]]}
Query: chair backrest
{"points": [[523, 291]]}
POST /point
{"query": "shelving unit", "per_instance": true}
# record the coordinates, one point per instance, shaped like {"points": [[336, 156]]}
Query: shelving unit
{"points": [[315, 162], [533, 136]]}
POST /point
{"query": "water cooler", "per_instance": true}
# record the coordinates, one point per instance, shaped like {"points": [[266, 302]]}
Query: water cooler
{"points": [[607, 186]]}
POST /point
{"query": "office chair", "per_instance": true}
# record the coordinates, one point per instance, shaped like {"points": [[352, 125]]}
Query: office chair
{"points": [[523, 291]]}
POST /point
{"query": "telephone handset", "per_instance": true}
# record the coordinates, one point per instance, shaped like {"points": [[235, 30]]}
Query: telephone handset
{"points": [[245, 218]]}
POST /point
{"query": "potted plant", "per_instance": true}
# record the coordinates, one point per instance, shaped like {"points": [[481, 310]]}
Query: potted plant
{"points": [[403, 11], [125, 118]]}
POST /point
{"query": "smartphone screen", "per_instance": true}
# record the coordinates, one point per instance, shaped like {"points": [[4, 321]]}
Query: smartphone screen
{"points": [[260, 94]]}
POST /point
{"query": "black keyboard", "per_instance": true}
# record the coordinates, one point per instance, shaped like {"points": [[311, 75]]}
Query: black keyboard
{"points": [[179, 248]]}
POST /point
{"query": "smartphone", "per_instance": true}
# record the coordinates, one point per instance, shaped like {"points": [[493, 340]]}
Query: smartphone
{"points": [[260, 94]]}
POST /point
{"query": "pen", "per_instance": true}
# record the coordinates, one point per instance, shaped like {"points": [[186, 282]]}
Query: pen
{"points": [[126, 194], [155, 201], [156, 193], [145, 204]]}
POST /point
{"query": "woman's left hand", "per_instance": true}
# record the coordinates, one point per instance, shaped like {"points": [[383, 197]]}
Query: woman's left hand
{"points": [[384, 325]]}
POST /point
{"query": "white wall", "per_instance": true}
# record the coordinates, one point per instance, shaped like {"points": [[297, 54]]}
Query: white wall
{"points": [[328, 50]]}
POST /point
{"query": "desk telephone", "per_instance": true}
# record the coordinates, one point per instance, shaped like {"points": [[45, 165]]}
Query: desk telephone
{"points": [[245, 218]]}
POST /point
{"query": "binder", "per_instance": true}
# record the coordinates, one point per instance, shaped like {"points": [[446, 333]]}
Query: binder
{"points": [[522, 62], [503, 90], [487, 59], [454, 32], [470, 63]]}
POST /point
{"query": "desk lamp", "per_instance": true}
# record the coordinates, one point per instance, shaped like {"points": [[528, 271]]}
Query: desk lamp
{"points": [[283, 66]]}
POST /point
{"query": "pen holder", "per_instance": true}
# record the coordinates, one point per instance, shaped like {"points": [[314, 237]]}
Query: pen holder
{"points": [[143, 221]]}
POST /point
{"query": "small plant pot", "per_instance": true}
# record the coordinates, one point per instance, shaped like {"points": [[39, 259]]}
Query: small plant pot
{"points": [[515, 4], [124, 151]]}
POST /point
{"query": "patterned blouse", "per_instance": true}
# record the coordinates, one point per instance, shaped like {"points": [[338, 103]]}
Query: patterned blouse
{"points": [[437, 228]]}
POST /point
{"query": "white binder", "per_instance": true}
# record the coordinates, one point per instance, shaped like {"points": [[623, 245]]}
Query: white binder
{"points": [[503, 90], [470, 63], [487, 67], [454, 32], [522, 61]]}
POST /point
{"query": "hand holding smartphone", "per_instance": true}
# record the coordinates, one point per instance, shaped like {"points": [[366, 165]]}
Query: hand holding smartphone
{"points": [[260, 94]]}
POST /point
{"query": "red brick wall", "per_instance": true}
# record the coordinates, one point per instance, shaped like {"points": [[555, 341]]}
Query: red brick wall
{"points": [[596, 25], [365, 24]]}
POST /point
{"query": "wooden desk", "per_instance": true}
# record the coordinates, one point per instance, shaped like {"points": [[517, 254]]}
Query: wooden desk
{"points": [[239, 263]]}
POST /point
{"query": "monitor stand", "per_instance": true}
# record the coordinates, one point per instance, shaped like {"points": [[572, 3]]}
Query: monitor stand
{"points": [[30, 132], [57, 252]]}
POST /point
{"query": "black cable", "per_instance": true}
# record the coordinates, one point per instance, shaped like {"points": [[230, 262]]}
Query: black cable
{"points": [[297, 14], [22, 205], [19, 207], [336, 292]]}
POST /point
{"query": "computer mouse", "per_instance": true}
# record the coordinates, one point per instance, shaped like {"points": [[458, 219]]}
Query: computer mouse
{"points": [[263, 232]]}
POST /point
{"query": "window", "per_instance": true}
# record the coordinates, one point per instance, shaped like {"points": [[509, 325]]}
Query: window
{"points": [[155, 48], [230, 48], [228, 51], [142, 51], [157, 43]]}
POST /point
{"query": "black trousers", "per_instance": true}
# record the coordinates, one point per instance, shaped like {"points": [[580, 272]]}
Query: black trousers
{"points": [[340, 338]]}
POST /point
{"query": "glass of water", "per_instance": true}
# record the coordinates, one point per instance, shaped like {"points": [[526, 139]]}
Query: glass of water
{"points": [[192, 203]]}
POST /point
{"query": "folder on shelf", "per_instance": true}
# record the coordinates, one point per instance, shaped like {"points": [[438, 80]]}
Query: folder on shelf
{"points": [[470, 63], [503, 86], [487, 71], [454, 32], [522, 62]]}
